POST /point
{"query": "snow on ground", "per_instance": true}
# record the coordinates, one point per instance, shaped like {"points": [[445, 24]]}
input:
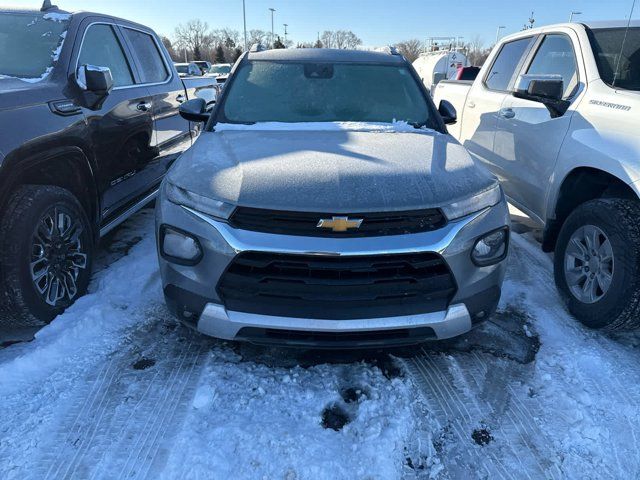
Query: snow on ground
{"points": [[115, 388]]}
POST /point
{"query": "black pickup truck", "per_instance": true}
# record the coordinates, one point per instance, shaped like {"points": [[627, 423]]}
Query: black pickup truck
{"points": [[89, 125]]}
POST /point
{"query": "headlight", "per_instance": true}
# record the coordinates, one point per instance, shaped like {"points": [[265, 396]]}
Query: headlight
{"points": [[491, 248], [470, 205], [180, 196], [178, 246]]}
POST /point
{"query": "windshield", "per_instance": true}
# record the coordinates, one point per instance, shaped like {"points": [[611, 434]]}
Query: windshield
{"points": [[263, 91], [30, 43], [620, 71], [220, 69]]}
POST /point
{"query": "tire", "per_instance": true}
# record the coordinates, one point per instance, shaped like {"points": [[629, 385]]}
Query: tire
{"points": [[44, 267], [612, 299]]}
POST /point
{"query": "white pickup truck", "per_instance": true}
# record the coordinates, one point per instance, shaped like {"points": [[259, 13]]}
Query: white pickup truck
{"points": [[555, 114]]}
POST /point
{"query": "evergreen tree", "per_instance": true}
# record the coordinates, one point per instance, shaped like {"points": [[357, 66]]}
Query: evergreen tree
{"points": [[278, 43], [220, 54]]}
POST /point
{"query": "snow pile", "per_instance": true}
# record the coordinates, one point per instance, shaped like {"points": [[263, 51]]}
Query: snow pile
{"points": [[249, 420], [57, 16], [94, 324]]}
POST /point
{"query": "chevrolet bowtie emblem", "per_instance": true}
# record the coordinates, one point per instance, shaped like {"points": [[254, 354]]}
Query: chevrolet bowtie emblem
{"points": [[340, 224]]}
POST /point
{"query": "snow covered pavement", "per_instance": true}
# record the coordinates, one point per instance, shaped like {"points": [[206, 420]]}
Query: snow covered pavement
{"points": [[115, 388]]}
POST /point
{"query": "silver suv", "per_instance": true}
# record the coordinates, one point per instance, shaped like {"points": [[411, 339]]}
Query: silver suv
{"points": [[322, 206]]}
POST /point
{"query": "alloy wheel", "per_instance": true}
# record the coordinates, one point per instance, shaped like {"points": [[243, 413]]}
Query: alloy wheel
{"points": [[57, 256], [589, 264]]}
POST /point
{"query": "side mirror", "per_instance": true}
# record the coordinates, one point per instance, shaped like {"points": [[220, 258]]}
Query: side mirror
{"points": [[95, 83], [545, 89], [194, 110], [448, 112]]}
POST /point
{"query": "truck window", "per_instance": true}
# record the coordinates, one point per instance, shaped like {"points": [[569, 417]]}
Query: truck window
{"points": [[153, 68], [617, 52], [30, 43], [505, 65], [102, 48], [556, 57]]}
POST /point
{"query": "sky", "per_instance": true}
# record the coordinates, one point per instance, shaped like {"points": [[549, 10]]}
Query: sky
{"points": [[376, 22]]}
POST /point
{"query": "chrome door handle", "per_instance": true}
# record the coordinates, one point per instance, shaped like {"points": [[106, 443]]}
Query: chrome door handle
{"points": [[144, 106], [181, 98], [471, 105], [507, 113]]}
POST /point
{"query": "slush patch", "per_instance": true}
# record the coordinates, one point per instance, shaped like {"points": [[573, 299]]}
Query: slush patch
{"points": [[481, 436], [144, 363], [334, 417], [352, 394]]}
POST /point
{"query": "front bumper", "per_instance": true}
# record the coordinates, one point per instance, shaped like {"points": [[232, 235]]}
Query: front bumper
{"points": [[191, 290]]}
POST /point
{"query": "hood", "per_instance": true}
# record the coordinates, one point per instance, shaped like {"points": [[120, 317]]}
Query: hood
{"points": [[338, 171]]}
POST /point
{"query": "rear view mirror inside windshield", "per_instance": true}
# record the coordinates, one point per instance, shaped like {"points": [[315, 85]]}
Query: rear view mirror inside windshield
{"points": [[318, 70]]}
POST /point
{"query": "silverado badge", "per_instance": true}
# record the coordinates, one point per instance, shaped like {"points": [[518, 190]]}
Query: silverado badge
{"points": [[340, 224]]}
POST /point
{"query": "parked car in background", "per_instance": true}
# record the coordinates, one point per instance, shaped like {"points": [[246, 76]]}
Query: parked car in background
{"points": [[325, 205], [90, 125], [465, 74], [554, 114], [221, 71], [203, 65], [188, 69]]}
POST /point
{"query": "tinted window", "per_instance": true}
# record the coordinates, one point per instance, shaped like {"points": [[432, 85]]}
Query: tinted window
{"points": [[505, 65], [152, 67], [102, 48], [324, 92], [29, 43], [556, 57], [622, 71]]}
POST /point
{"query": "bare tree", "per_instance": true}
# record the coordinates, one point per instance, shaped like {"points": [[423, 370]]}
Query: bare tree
{"points": [[344, 39], [169, 46], [194, 36], [476, 51], [257, 36], [411, 49], [327, 39]]}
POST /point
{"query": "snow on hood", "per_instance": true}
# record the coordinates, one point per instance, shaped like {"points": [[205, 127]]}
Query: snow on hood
{"points": [[330, 170], [320, 126]]}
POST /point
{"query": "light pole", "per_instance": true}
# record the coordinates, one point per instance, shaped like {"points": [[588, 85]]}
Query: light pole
{"points": [[272, 11], [244, 20], [498, 32], [285, 32], [572, 14]]}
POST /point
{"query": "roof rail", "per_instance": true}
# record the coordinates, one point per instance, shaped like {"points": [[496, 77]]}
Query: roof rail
{"points": [[257, 47], [388, 49], [46, 6]]}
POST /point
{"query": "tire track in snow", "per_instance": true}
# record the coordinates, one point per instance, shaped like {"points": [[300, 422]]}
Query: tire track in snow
{"points": [[605, 378], [125, 417]]}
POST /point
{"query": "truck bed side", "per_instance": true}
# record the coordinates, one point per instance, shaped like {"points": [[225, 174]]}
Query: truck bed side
{"points": [[455, 92]]}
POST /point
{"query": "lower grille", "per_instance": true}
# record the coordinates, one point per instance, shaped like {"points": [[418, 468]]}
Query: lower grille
{"points": [[387, 338], [337, 288]]}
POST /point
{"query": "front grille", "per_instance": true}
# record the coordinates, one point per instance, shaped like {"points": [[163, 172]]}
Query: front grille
{"points": [[305, 223], [332, 287]]}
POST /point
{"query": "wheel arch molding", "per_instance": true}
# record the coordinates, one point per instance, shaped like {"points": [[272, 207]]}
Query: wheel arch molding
{"points": [[64, 166]]}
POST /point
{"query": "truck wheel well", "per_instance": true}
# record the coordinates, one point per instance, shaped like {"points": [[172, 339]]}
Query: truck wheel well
{"points": [[69, 172], [580, 186]]}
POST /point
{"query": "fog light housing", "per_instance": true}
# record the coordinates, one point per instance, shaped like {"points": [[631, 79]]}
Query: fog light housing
{"points": [[491, 248], [179, 247]]}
